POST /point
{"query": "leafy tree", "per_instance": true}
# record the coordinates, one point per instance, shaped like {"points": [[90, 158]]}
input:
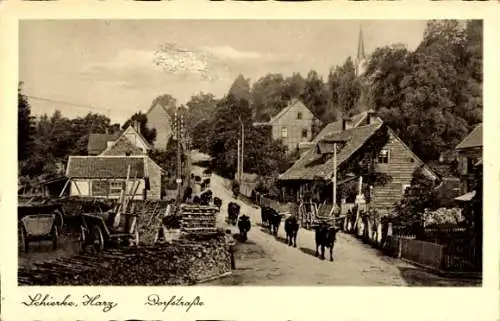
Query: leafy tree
{"points": [[269, 96], [431, 97], [345, 87], [315, 95], [142, 119], [25, 128], [199, 119]]}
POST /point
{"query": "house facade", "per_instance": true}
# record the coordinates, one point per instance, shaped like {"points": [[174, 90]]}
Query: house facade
{"points": [[160, 120], [105, 176], [371, 143], [293, 125], [470, 159]]}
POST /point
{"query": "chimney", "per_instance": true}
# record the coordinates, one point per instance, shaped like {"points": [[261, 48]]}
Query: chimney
{"points": [[137, 126], [346, 123], [370, 116]]}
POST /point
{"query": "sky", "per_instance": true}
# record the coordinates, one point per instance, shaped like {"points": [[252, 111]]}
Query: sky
{"points": [[117, 67]]}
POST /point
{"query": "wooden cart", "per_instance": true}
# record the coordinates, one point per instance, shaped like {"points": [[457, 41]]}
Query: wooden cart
{"points": [[39, 222]]}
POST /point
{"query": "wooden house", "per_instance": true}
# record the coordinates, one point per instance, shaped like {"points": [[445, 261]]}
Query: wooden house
{"points": [[293, 125], [367, 149], [160, 120], [105, 176], [470, 161]]}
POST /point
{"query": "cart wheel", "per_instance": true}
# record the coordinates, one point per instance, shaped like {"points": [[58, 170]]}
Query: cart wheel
{"points": [[97, 239], [55, 238]]}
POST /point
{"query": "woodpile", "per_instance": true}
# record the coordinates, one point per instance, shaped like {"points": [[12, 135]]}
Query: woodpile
{"points": [[198, 219], [184, 262]]}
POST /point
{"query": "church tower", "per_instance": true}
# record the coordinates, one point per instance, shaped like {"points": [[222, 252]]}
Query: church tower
{"points": [[360, 56]]}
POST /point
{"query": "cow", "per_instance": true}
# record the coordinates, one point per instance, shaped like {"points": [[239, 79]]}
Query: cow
{"points": [[233, 211], [187, 194], [218, 202], [326, 236], [274, 220], [244, 226], [291, 230], [264, 214], [206, 197]]}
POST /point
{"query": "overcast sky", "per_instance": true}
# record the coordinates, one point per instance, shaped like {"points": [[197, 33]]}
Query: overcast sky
{"points": [[115, 64]]}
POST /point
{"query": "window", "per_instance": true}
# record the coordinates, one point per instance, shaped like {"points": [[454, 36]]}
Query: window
{"points": [[115, 187], [383, 156], [304, 133], [299, 115], [405, 187], [284, 132]]}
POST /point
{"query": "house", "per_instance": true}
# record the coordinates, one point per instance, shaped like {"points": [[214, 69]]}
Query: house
{"points": [[105, 176], [470, 160], [99, 142], [160, 120], [130, 142], [364, 146], [292, 125]]}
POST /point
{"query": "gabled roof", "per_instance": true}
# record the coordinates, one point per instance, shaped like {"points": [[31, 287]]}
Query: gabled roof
{"points": [[336, 126], [474, 139], [128, 131], [311, 164], [106, 166], [99, 142], [154, 106], [291, 104]]}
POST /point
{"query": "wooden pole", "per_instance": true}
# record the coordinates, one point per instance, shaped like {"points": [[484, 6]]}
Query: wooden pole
{"points": [[242, 148], [334, 181], [238, 166]]}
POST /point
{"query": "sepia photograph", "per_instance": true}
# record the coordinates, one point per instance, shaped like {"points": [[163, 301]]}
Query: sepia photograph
{"points": [[250, 153]]}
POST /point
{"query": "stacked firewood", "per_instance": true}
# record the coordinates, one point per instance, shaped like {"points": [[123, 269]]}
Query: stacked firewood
{"points": [[184, 262], [198, 219]]}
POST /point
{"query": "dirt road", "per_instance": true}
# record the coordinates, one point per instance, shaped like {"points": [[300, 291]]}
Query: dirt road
{"points": [[266, 260]]}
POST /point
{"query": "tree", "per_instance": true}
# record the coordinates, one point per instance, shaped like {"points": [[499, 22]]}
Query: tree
{"points": [[25, 127], [431, 97], [199, 119], [345, 88], [142, 119], [269, 96], [315, 95]]}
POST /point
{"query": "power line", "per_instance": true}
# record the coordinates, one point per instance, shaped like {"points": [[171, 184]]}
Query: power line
{"points": [[68, 103]]}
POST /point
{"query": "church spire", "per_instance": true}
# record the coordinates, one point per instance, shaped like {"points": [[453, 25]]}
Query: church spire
{"points": [[360, 56]]}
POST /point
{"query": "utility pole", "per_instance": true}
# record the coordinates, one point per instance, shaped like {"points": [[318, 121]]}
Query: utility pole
{"points": [[241, 150], [238, 166], [334, 182], [179, 124]]}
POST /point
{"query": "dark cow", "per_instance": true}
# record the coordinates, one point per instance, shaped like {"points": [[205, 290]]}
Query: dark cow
{"points": [[218, 202], [291, 230], [187, 194], [206, 197], [244, 226], [264, 214], [272, 218], [233, 211], [326, 236]]}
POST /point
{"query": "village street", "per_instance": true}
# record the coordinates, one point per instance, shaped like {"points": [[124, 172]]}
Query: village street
{"points": [[266, 260]]}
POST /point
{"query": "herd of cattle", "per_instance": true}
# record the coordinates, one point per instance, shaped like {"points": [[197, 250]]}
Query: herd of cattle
{"points": [[325, 232]]}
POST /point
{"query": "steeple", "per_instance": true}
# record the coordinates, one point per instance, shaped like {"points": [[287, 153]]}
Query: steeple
{"points": [[360, 56]]}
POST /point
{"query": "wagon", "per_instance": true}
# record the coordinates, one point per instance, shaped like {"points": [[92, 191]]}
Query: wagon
{"points": [[97, 231], [39, 222]]}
